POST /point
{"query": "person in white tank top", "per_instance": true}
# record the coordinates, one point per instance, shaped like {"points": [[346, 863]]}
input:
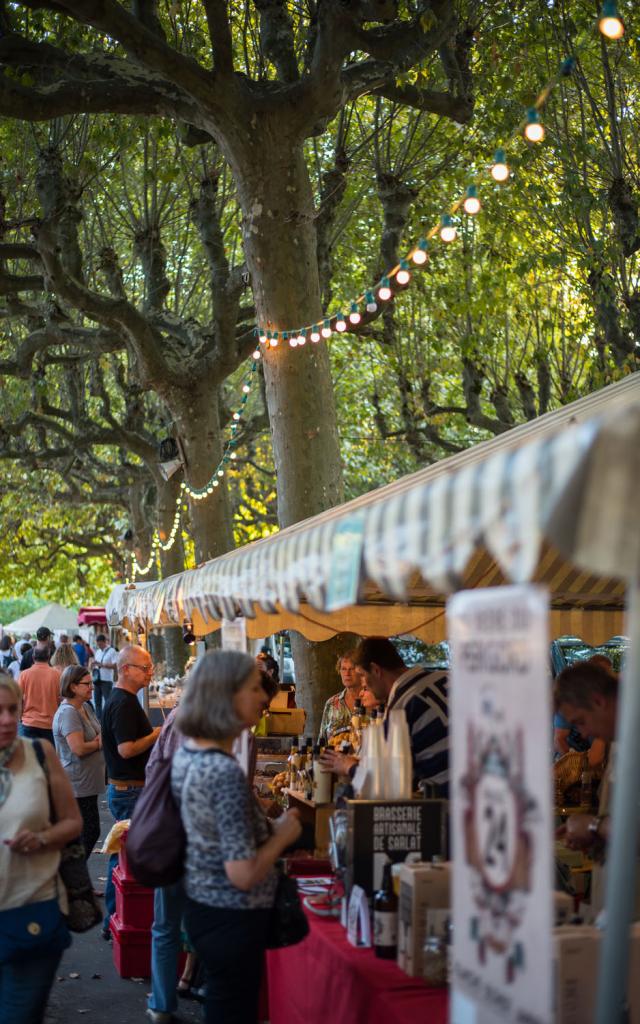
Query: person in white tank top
{"points": [[29, 858]]}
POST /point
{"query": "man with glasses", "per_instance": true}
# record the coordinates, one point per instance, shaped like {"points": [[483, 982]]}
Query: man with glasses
{"points": [[127, 739]]}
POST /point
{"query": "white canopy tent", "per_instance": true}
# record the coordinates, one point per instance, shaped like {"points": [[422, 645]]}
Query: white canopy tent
{"points": [[475, 519], [57, 618]]}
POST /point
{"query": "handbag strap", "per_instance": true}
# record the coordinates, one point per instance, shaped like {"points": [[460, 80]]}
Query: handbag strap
{"points": [[42, 761]]}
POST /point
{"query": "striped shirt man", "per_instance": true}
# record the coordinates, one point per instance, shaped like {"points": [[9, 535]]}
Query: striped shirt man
{"points": [[422, 694]]}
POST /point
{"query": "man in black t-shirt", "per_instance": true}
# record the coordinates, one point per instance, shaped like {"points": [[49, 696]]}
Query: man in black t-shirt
{"points": [[127, 738]]}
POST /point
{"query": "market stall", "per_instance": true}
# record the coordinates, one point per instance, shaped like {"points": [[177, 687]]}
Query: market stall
{"points": [[553, 502]]}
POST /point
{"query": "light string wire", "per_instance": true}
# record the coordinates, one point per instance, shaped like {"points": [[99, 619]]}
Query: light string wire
{"points": [[612, 27]]}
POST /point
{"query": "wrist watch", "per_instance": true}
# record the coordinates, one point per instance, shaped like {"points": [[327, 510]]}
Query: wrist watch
{"points": [[594, 825]]}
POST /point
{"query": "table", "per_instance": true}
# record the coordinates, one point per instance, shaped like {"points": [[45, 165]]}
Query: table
{"points": [[326, 979]]}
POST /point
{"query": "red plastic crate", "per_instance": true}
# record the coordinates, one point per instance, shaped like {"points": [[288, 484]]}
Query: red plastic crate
{"points": [[131, 949], [134, 903], [123, 863]]}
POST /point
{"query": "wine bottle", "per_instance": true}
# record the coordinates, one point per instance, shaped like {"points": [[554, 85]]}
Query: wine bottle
{"points": [[385, 918]]}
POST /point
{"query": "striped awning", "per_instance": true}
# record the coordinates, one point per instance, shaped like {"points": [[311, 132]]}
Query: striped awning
{"points": [[555, 501]]}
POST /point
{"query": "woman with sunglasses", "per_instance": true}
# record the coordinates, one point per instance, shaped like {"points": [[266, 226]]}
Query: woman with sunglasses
{"points": [[76, 732]]}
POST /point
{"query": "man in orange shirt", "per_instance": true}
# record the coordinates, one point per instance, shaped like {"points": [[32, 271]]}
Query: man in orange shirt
{"points": [[40, 687]]}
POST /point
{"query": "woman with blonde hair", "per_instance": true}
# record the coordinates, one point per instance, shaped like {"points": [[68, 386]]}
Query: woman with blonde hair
{"points": [[64, 656], [230, 879], [33, 933]]}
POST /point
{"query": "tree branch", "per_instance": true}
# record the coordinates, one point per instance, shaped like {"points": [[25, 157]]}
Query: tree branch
{"points": [[220, 35]]}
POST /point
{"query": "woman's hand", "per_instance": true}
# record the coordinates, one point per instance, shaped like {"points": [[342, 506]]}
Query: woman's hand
{"points": [[334, 761], [26, 842], [288, 827]]}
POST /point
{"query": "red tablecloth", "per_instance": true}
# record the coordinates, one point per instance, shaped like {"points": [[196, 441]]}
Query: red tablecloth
{"points": [[326, 980]]}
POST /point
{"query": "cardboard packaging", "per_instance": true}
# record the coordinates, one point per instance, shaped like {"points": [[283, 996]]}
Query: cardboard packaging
{"points": [[576, 957], [424, 889], [381, 830], [286, 723]]}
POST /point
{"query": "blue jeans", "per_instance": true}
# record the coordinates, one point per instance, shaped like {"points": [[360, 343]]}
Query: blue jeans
{"points": [[32, 732], [168, 907], [121, 803], [25, 987], [101, 694]]}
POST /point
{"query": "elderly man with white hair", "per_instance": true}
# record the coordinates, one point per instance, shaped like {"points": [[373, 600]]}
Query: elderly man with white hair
{"points": [[127, 739]]}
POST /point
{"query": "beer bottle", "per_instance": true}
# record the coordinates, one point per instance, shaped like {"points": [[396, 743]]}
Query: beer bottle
{"points": [[385, 918]]}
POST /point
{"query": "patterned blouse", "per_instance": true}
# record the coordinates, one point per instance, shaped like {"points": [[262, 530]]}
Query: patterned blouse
{"points": [[223, 822], [336, 715]]}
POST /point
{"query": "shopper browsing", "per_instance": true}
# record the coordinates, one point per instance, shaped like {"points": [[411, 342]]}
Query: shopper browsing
{"points": [[104, 663], [127, 738], [339, 708], [229, 878]]}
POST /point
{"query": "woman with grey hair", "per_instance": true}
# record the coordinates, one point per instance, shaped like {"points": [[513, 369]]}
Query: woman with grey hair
{"points": [[230, 879], [76, 733]]}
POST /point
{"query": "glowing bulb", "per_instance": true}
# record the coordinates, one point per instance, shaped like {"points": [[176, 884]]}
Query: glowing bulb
{"points": [[209, 490], [273, 341], [448, 230], [221, 472], [215, 483], [293, 341], [246, 389], [611, 24], [326, 330], [534, 130], [315, 335], [302, 338], [403, 276], [263, 338], [419, 255], [471, 204], [183, 486], [354, 315], [236, 415], [234, 455], [372, 305], [384, 291], [341, 323], [500, 169]]}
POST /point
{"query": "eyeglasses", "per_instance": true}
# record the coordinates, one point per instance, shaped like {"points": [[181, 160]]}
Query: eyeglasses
{"points": [[85, 682], [143, 668]]}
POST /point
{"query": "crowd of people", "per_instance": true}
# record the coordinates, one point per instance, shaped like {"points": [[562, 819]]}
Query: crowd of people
{"points": [[225, 895]]}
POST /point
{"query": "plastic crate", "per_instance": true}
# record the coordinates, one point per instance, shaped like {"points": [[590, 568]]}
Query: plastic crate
{"points": [[123, 863], [131, 949], [134, 903]]}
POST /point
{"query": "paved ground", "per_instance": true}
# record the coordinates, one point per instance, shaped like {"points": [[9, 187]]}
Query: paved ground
{"points": [[98, 994]]}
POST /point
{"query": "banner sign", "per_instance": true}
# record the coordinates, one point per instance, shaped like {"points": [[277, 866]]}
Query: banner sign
{"points": [[346, 559], [501, 806], [234, 634]]}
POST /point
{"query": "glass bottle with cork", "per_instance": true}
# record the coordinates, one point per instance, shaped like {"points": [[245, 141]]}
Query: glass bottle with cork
{"points": [[385, 918]]}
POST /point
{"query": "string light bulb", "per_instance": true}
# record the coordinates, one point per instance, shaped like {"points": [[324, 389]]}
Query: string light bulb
{"points": [[611, 24], [255, 354], [341, 323], [263, 338], [471, 204], [315, 334], [500, 168], [403, 276], [274, 340], [326, 329], [246, 388], [384, 291], [302, 338], [372, 305], [419, 254], [293, 341], [354, 315], [448, 230], [534, 129]]}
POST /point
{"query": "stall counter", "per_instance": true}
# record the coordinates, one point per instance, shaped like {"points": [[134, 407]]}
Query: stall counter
{"points": [[326, 979]]}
